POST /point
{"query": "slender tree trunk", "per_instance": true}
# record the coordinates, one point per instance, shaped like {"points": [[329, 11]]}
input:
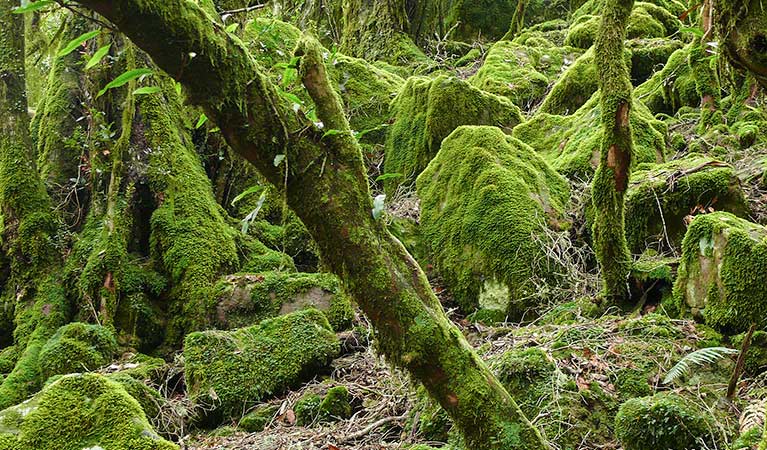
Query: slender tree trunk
{"points": [[31, 288], [328, 189], [706, 80], [612, 176], [742, 27], [517, 22]]}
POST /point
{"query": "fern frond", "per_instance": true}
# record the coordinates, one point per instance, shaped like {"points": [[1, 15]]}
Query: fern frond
{"points": [[753, 416], [697, 358]]}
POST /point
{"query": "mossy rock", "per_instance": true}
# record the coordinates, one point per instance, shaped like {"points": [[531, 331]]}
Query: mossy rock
{"points": [[8, 357], [232, 370], [649, 56], [307, 409], [78, 412], [77, 347], [652, 325], [631, 383], [482, 198], [661, 196], [426, 111], [525, 374], [646, 21], [255, 421], [247, 299], [333, 406], [574, 88], [671, 88], [663, 421], [572, 143], [722, 274], [522, 73]]}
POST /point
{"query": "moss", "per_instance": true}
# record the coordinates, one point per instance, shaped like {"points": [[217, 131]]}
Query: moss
{"points": [[646, 21], [521, 73], [83, 411], [661, 421], [748, 440], [232, 370], [428, 419], [248, 299], [756, 357], [482, 198], [258, 419], [723, 259], [307, 409], [660, 197], [572, 143], [631, 383], [331, 407], [652, 325], [574, 88], [649, 56], [8, 357], [426, 111], [77, 347], [523, 373], [671, 88], [147, 397]]}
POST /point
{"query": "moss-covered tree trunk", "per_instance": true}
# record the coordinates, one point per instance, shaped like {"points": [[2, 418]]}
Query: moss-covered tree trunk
{"points": [[328, 188], [31, 285], [742, 27], [378, 29], [612, 175], [706, 80]]}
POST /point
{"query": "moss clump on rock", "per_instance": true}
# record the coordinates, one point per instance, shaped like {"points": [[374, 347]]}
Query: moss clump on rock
{"points": [[78, 412], [722, 273], [647, 20], [258, 419], [663, 421], [333, 406], [77, 347], [649, 56], [232, 370], [661, 196], [482, 199], [671, 88], [426, 111], [523, 372], [572, 143], [249, 298]]}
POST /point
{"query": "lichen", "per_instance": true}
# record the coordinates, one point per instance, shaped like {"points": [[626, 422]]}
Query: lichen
{"points": [[482, 198]]}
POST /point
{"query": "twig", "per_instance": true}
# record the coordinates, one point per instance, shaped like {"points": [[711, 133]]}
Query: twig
{"points": [[373, 426], [243, 10], [741, 362], [86, 17]]}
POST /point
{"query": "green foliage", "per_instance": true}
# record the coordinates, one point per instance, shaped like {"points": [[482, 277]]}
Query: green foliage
{"points": [[482, 198], [663, 421], [126, 77], [77, 412], [231, 370], [77, 42], [700, 357], [756, 356]]}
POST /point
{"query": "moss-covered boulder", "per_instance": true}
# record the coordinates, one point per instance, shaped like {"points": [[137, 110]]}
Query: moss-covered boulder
{"points": [[572, 143], [426, 111], [647, 20], [230, 371], [483, 199], [523, 373], [333, 406], [574, 88], [722, 276], [255, 421], [77, 347], [661, 196], [78, 412], [664, 421], [247, 299], [671, 88], [649, 56], [522, 73]]}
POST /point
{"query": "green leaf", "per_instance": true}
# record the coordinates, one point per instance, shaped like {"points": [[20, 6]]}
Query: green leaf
{"points": [[177, 85], [98, 56], [39, 4], [388, 176], [252, 216], [201, 121], [278, 160], [76, 42], [703, 356], [249, 191], [359, 134], [696, 31], [232, 28], [332, 133], [147, 90], [378, 206], [124, 79]]}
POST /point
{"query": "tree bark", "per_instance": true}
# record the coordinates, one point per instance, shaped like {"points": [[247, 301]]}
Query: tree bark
{"points": [[612, 175], [328, 189], [742, 27]]}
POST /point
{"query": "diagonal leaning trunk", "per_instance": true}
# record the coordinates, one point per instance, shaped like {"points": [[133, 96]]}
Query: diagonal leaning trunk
{"points": [[612, 176], [327, 187]]}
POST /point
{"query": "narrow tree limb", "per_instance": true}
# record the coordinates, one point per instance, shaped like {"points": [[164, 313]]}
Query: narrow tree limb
{"points": [[738, 370]]}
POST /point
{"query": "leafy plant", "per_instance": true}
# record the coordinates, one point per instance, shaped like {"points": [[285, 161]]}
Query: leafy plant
{"points": [[124, 79], [697, 358], [147, 90], [31, 7], [378, 206], [251, 217], [98, 56], [76, 42]]}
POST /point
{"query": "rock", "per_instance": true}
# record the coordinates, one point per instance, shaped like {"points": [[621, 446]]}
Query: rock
{"points": [[483, 198], [426, 111], [332, 407], [229, 371], [661, 196], [77, 347], [665, 421], [258, 419], [77, 412], [722, 277], [247, 299]]}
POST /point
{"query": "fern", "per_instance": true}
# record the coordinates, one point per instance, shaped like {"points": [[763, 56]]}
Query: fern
{"points": [[753, 416], [698, 358]]}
